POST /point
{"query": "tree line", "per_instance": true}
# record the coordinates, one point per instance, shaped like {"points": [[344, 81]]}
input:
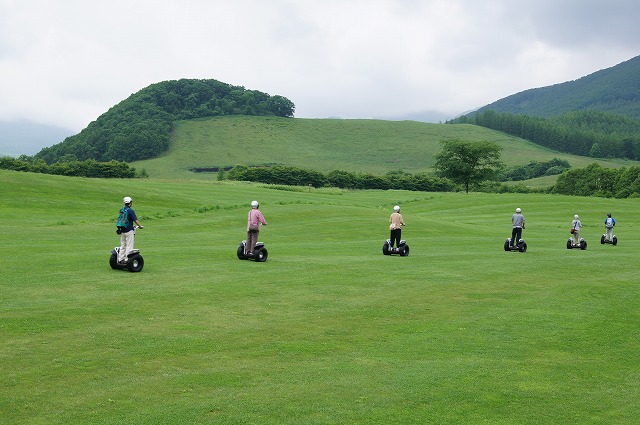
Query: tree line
{"points": [[88, 168], [294, 176], [459, 164], [591, 133], [140, 126], [533, 169], [595, 180]]}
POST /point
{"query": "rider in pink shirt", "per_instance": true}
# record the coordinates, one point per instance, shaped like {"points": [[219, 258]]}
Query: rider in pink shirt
{"points": [[254, 220]]}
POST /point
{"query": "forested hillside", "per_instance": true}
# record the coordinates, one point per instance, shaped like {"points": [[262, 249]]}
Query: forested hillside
{"points": [[597, 115], [587, 133], [140, 126], [615, 90]]}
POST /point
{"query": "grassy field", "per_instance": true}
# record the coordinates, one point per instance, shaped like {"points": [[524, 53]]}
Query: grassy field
{"points": [[371, 146], [328, 330]]}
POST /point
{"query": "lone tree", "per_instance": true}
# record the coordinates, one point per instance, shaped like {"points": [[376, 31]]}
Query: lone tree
{"points": [[468, 162]]}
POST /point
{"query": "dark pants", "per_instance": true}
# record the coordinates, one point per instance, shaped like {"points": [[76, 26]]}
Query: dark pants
{"points": [[395, 237], [516, 235]]}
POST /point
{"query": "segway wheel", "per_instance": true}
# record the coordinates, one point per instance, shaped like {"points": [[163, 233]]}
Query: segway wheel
{"points": [[522, 247], [385, 248], [241, 252], [602, 240], [615, 240], [113, 261], [135, 263], [507, 246], [261, 255], [569, 244], [583, 245], [404, 251]]}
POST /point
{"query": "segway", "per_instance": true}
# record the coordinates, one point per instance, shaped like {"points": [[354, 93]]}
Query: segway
{"points": [[521, 246], [260, 253], [612, 241], [402, 249], [134, 262], [571, 244]]}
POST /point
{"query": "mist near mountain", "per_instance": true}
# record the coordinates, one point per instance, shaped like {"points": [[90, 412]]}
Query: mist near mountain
{"points": [[22, 137]]}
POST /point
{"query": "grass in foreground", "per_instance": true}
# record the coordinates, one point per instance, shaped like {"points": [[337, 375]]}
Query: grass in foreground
{"points": [[328, 330]]}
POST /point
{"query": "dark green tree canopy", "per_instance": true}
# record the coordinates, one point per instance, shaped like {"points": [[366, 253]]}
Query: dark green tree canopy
{"points": [[595, 180], [468, 162], [617, 136], [140, 126]]}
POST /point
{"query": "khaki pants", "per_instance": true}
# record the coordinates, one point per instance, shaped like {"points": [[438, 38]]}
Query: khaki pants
{"points": [[252, 240], [126, 245]]}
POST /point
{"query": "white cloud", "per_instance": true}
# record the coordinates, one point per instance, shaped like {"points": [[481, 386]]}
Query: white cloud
{"points": [[67, 64]]}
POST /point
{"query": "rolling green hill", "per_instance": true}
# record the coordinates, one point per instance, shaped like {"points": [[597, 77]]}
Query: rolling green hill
{"points": [[325, 145], [328, 330], [139, 127]]}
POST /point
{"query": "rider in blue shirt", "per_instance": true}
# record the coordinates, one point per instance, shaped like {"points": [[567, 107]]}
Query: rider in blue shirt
{"points": [[609, 224]]}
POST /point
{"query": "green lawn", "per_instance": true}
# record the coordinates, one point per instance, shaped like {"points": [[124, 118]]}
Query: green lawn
{"points": [[328, 330]]}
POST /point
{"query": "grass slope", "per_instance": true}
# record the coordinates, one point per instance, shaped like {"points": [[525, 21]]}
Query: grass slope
{"points": [[372, 146], [328, 330]]}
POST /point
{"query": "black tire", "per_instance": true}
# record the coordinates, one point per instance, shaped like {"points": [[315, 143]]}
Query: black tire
{"points": [[261, 255], [135, 263], [615, 240], [404, 251], [583, 245], [506, 245], [113, 261], [602, 240], [569, 244], [385, 248], [241, 252], [522, 247]]}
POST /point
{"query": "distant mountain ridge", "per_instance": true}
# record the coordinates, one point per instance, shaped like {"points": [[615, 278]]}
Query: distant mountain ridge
{"points": [[615, 90], [423, 116]]}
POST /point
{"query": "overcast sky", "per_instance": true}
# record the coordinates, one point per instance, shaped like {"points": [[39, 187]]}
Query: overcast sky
{"points": [[66, 62]]}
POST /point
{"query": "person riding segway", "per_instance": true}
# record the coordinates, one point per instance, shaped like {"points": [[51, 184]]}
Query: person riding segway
{"points": [[609, 237], [515, 242], [251, 248], [395, 237], [575, 241], [125, 256]]}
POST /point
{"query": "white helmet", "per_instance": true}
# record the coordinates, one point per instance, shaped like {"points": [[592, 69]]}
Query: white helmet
{"points": [[254, 204], [518, 210], [575, 217], [396, 208], [127, 200]]}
